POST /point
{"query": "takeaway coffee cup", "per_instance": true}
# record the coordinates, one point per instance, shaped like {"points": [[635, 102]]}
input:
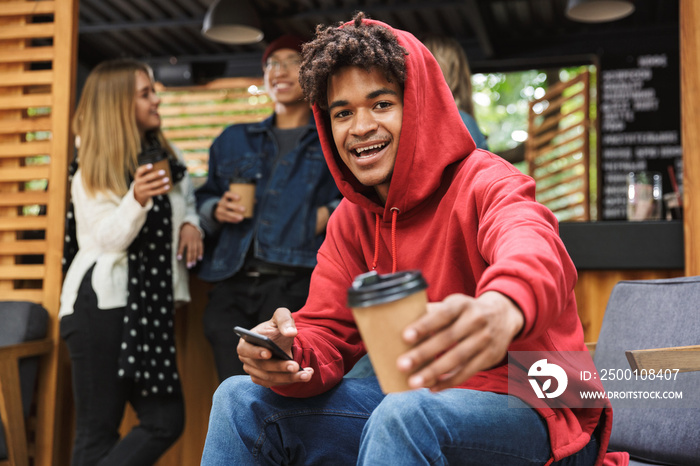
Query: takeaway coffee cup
{"points": [[245, 188], [159, 158], [383, 305]]}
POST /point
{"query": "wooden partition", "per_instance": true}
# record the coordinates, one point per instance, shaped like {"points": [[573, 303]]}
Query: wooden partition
{"points": [[193, 116], [37, 69], [558, 148]]}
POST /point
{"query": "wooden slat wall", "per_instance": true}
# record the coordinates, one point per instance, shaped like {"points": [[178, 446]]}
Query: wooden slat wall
{"points": [[194, 116], [37, 81], [557, 149]]}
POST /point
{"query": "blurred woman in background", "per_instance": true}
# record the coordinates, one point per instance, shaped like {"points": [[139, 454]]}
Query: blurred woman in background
{"points": [[455, 67], [137, 232]]}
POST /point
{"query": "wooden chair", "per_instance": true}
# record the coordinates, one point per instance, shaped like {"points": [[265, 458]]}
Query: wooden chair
{"points": [[653, 325], [22, 330]]}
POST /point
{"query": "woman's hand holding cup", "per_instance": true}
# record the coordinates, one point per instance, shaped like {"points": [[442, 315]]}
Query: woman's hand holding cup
{"points": [[149, 182]]}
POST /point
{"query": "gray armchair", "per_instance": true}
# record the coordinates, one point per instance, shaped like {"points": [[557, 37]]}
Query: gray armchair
{"points": [[23, 328], [653, 325]]}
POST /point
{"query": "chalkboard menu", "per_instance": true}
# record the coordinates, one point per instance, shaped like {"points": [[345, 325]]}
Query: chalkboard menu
{"points": [[640, 124]]}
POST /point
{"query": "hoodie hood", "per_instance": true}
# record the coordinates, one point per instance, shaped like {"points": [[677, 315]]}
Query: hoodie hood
{"points": [[433, 136]]}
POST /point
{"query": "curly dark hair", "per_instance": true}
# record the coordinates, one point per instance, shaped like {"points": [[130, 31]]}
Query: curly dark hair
{"points": [[358, 44]]}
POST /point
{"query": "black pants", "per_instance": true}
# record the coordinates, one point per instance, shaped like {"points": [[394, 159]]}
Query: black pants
{"points": [[247, 301], [93, 337]]}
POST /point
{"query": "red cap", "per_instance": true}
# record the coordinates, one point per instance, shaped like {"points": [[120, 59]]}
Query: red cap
{"points": [[288, 41]]}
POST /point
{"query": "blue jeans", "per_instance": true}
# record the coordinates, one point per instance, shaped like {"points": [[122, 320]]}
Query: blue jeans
{"points": [[354, 423]]}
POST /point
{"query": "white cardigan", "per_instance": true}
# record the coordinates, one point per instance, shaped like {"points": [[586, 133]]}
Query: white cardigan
{"points": [[106, 225]]}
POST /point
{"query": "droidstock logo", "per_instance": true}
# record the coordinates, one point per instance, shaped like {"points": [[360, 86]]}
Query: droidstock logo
{"points": [[542, 369]]}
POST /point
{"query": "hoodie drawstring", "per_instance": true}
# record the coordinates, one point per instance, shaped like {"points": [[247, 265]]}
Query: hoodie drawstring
{"points": [[394, 215], [376, 242]]}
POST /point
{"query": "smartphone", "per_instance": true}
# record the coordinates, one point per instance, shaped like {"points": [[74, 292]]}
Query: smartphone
{"points": [[261, 340]]}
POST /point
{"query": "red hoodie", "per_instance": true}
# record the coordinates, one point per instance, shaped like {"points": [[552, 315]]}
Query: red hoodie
{"points": [[469, 221]]}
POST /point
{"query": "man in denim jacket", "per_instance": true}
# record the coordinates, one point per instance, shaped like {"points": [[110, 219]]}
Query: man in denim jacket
{"points": [[261, 263]]}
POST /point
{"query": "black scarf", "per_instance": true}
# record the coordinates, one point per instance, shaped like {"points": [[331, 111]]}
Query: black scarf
{"points": [[147, 352], [148, 340], [70, 237]]}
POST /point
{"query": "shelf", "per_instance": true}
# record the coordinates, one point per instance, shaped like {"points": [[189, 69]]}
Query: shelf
{"points": [[624, 245]]}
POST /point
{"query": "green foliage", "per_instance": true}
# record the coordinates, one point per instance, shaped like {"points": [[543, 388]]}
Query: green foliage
{"points": [[501, 104], [501, 101]]}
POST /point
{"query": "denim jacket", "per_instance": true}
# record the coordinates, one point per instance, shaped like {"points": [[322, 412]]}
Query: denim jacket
{"points": [[289, 189]]}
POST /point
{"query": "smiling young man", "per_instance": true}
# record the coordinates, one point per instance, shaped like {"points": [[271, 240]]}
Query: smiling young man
{"points": [[258, 264], [366, 113], [417, 195]]}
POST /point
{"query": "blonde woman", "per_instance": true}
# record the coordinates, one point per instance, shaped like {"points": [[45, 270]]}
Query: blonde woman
{"points": [[455, 67], [137, 233]]}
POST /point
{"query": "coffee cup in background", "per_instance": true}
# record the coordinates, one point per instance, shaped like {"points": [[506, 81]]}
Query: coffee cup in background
{"points": [[159, 158], [383, 306], [245, 188], [644, 193]]}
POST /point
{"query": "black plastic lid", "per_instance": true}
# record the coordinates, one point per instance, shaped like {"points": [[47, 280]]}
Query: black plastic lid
{"points": [[152, 155], [370, 288]]}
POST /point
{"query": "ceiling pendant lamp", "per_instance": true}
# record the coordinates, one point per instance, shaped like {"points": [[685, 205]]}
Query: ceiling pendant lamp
{"points": [[232, 22], [598, 11]]}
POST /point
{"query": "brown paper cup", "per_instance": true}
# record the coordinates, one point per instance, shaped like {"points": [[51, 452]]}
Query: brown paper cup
{"points": [[247, 193], [164, 165], [381, 327]]}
